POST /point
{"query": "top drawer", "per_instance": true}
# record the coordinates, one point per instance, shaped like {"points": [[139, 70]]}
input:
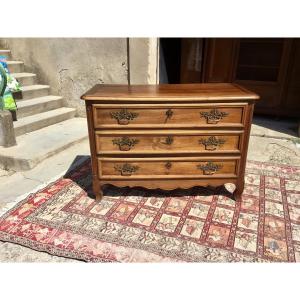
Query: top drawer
{"points": [[168, 116]]}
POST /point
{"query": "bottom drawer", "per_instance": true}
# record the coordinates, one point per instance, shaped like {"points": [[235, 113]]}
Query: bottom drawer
{"points": [[167, 167]]}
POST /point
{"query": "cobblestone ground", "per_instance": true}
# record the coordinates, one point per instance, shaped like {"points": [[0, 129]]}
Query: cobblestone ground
{"points": [[15, 253], [278, 146]]}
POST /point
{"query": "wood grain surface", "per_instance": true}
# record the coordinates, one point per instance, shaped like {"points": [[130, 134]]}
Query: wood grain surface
{"points": [[169, 92], [169, 136]]}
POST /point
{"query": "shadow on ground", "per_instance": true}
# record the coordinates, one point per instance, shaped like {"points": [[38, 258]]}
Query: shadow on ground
{"points": [[280, 124]]}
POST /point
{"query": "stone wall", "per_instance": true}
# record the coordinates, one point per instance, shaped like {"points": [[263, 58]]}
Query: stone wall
{"points": [[72, 65], [143, 60]]}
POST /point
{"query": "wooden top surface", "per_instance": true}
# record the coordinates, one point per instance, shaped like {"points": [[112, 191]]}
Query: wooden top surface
{"points": [[201, 91]]}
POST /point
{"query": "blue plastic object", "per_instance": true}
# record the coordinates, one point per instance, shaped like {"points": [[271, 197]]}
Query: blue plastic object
{"points": [[3, 85]]}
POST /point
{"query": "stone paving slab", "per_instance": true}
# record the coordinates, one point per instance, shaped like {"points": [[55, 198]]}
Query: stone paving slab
{"points": [[10, 252], [42, 174], [36, 146], [278, 151]]}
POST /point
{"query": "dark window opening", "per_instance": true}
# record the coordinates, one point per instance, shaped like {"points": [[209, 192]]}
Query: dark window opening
{"points": [[170, 60]]}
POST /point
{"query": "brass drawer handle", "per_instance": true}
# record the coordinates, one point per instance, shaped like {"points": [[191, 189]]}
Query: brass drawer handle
{"points": [[126, 169], [123, 116], [169, 140], [210, 168], [213, 116], [168, 165], [212, 143], [125, 143], [169, 114]]}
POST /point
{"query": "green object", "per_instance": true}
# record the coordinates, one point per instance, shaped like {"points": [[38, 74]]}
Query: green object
{"points": [[7, 100]]}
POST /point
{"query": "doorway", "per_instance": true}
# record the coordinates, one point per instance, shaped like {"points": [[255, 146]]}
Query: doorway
{"points": [[267, 66], [181, 60]]}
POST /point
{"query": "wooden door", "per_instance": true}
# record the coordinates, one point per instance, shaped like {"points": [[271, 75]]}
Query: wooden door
{"points": [[291, 96], [219, 59], [261, 66]]}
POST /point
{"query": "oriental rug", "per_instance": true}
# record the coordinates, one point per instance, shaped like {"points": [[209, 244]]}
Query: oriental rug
{"points": [[139, 225]]}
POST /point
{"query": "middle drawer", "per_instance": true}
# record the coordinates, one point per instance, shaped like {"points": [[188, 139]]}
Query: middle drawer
{"points": [[167, 141]]}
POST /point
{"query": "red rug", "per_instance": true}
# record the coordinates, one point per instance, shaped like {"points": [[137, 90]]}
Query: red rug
{"points": [[138, 225]]}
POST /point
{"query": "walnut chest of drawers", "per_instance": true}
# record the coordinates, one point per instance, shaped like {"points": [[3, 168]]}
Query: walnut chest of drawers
{"points": [[169, 136]]}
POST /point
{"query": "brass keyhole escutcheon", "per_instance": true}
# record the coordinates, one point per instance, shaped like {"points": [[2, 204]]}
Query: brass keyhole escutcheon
{"points": [[169, 114], [168, 165]]}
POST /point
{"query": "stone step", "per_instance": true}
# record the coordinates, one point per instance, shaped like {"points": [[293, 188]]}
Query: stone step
{"points": [[34, 91], [38, 105], [34, 147], [38, 121], [15, 66], [25, 78], [7, 53]]}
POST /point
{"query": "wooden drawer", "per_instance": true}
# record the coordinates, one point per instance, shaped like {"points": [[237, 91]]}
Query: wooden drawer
{"points": [[175, 115], [167, 141], [167, 167]]}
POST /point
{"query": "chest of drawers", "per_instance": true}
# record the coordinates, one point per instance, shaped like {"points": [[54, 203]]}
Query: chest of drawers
{"points": [[169, 136]]}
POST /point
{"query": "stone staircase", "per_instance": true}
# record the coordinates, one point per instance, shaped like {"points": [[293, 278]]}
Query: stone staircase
{"points": [[44, 126]]}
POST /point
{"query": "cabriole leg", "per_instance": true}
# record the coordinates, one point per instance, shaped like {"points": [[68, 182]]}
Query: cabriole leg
{"points": [[237, 194], [99, 195], [97, 189]]}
